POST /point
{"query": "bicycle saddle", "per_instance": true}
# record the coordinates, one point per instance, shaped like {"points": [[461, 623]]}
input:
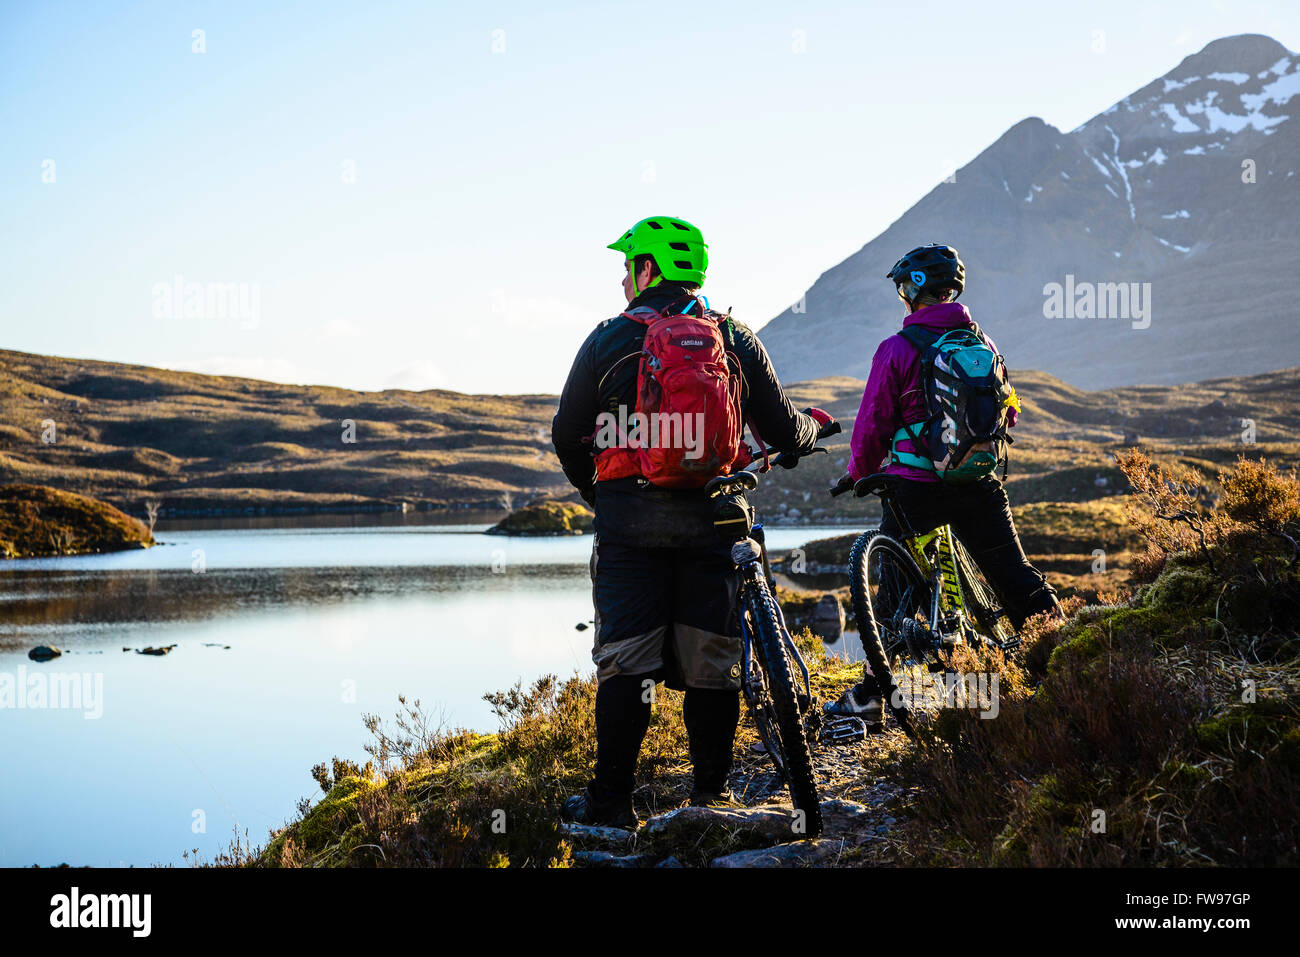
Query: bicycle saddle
{"points": [[726, 484], [874, 484]]}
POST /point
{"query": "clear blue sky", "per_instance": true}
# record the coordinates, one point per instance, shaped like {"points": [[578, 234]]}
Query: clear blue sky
{"points": [[469, 251]]}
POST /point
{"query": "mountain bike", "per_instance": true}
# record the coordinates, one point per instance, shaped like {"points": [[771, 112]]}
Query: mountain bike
{"points": [[774, 676], [916, 600]]}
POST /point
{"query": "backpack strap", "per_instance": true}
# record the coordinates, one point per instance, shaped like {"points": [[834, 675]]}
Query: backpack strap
{"points": [[920, 337], [728, 329]]}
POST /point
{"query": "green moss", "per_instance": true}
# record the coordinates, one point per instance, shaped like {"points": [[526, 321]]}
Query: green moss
{"points": [[1185, 589], [321, 825], [1248, 729], [1085, 644], [545, 518]]}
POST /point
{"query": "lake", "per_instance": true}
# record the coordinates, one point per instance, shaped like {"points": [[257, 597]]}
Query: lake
{"points": [[285, 637]]}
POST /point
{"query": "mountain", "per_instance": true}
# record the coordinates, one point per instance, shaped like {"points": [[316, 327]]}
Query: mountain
{"points": [[1151, 191]]}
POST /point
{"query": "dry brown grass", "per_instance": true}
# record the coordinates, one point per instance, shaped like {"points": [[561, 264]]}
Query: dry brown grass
{"points": [[1159, 731], [36, 521]]}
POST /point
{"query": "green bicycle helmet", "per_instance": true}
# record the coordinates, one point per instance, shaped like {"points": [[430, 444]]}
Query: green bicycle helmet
{"points": [[678, 248]]}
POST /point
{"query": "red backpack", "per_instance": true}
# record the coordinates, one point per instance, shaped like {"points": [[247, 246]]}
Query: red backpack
{"points": [[688, 404]]}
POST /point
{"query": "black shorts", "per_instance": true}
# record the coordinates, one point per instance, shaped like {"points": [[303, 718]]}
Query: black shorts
{"points": [[666, 612]]}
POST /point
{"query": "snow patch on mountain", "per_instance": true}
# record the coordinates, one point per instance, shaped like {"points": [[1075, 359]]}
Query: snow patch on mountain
{"points": [[1181, 123], [1279, 91], [1123, 174], [1178, 84]]}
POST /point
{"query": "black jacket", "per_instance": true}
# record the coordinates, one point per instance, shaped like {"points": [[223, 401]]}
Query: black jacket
{"points": [[663, 516]]}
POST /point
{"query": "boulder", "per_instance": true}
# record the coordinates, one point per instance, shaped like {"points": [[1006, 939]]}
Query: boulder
{"points": [[685, 826], [43, 653], [798, 854], [828, 619], [607, 837]]}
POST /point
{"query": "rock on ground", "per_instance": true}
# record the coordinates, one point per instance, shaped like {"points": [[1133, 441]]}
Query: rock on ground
{"points": [[799, 854], [615, 837]]}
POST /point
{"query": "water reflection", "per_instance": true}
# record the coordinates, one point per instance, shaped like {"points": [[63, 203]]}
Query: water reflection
{"points": [[284, 640]]}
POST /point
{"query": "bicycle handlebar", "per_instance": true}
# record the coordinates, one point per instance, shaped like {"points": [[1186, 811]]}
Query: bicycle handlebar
{"points": [[774, 456]]}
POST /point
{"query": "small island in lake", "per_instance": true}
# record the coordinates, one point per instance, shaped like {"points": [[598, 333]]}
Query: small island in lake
{"points": [[545, 518], [37, 521]]}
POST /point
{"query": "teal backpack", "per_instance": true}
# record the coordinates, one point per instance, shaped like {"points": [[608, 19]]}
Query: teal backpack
{"points": [[964, 435]]}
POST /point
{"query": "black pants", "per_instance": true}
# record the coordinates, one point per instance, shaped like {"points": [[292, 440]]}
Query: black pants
{"points": [[980, 516], [664, 589]]}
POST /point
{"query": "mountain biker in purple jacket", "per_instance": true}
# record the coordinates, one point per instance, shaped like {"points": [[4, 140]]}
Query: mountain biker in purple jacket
{"points": [[978, 512]]}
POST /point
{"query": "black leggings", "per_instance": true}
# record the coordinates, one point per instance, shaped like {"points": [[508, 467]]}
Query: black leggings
{"points": [[980, 516]]}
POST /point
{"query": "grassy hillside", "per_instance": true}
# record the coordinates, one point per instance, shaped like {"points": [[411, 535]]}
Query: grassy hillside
{"points": [[36, 521], [132, 434]]}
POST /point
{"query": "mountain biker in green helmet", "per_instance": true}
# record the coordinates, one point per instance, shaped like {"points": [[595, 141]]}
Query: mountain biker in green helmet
{"points": [[663, 581], [892, 423]]}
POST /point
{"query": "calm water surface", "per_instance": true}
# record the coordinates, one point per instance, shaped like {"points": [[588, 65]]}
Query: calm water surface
{"points": [[284, 638]]}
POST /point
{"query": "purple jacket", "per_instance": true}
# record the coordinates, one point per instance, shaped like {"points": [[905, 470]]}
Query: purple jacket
{"points": [[893, 395]]}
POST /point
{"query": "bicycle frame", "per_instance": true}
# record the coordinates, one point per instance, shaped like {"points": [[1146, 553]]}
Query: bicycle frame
{"points": [[947, 602]]}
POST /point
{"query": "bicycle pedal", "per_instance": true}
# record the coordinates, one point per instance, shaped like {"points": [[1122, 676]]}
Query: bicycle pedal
{"points": [[846, 731]]}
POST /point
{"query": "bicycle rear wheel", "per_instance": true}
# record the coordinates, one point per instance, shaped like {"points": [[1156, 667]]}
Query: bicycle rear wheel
{"points": [[983, 601], [779, 717], [890, 596]]}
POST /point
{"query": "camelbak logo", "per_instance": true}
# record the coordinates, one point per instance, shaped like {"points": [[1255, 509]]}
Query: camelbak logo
{"points": [[691, 343], [918, 277]]}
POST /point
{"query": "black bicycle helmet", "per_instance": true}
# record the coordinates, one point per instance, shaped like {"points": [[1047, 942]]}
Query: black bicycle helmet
{"points": [[929, 268]]}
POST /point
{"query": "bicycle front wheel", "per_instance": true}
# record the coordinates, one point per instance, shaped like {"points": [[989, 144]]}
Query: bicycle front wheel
{"points": [[782, 727], [983, 601]]}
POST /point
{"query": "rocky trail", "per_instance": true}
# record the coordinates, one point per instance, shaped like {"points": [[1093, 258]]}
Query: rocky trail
{"points": [[858, 810]]}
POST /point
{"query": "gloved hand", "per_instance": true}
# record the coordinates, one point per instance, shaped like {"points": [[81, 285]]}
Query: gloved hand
{"points": [[826, 424], [843, 484]]}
